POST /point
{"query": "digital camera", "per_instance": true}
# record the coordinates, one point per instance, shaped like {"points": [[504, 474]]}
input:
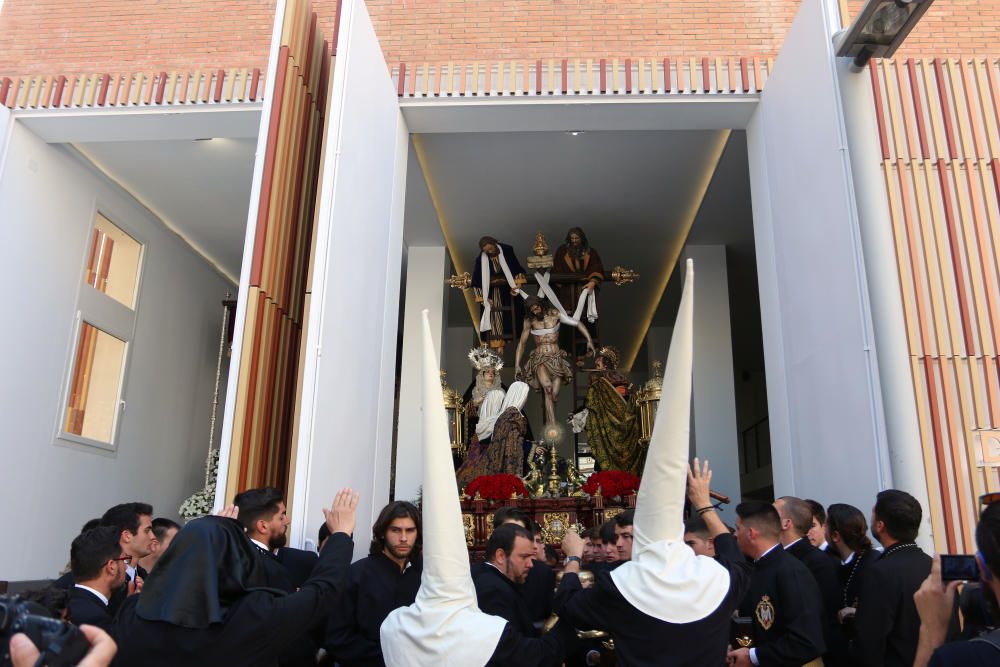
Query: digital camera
{"points": [[60, 643]]}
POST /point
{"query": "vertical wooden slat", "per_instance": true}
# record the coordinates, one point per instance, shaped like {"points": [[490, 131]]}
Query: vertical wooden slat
{"points": [[668, 77], [604, 76]]}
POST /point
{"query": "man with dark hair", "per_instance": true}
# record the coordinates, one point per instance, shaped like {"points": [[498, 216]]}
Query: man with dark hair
{"points": [[593, 548], [817, 532], [511, 515], [698, 537], [935, 602], [538, 588], [783, 601], [623, 534], [886, 624], [497, 277], [386, 579], [796, 521], [134, 522], [263, 516], [98, 565], [510, 555], [609, 545], [164, 530]]}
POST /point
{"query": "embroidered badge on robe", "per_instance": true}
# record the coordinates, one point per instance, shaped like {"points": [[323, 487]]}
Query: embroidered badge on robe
{"points": [[765, 613]]}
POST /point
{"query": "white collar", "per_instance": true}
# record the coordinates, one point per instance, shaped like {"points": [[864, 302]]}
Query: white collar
{"points": [[792, 544], [100, 596], [757, 560], [824, 546], [262, 546], [848, 560], [130, 571]]}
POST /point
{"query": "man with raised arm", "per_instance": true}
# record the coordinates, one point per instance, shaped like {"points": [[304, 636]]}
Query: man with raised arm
{"points": [[666, 606]]}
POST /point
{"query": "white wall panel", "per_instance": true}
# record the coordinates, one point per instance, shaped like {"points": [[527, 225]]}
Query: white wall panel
{"points": [[822, 377], [349, 373], [51, 486]]}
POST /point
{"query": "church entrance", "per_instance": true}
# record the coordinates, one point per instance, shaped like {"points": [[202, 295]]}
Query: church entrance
{"points": [[739, 165], [643, 201]]}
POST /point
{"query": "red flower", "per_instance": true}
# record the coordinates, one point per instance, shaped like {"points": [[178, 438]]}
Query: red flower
{"points": [[612, 483], [496, 487]]}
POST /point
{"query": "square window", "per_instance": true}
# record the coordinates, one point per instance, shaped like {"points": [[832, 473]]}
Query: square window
{"points": [[113, 262], [95, 385]]}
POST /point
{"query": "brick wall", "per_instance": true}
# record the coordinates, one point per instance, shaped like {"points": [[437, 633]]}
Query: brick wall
{"points": [[74, 36]]}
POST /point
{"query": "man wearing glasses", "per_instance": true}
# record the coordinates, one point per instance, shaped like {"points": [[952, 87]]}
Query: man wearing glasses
{"points": [[98, 566]]}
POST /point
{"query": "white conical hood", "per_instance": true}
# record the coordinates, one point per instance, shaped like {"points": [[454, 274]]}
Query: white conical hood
{"points": [[444, 625], [665, 579]]}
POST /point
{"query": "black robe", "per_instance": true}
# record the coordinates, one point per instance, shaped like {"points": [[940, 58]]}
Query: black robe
{"points": [[255, 629], [643, 640], [519, 644], [499, 596], [299, 563], [538, 590], [85, 607], [516, 650], [375, 587], [287, 571], [786, 608], [824, 571], [887, 624]]}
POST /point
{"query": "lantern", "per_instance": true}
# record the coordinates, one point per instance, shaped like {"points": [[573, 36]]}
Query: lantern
{"points": [[648, 399], [453, 407]]}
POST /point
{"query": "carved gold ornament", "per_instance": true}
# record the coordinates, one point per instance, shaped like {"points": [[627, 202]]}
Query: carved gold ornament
{"points": [[554, 526], [468, 522]]}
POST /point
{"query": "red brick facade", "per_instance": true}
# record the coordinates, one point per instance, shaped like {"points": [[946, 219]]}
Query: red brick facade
{"points": [[70, 36]]}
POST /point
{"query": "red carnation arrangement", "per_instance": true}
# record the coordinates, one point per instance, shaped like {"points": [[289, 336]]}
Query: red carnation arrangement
{"points": [[496, 487], [612, 483]]}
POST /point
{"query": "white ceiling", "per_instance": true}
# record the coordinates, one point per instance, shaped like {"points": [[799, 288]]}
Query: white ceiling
{"points": [[199, 188], [633, 193]]}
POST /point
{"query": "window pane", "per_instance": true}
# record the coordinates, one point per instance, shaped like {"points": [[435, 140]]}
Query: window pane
{"points": [[113, 262], [95, 384]]}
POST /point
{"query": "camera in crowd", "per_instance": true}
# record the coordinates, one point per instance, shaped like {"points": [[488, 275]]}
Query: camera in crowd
{"points": [[60, 643]]}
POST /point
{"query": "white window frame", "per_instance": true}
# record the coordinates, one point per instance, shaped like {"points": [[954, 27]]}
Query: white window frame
{"points": [[108, 315]]}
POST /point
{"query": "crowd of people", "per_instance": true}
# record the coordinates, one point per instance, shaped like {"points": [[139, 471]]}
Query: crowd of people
{"points": [[806, 586], [790, 584]]}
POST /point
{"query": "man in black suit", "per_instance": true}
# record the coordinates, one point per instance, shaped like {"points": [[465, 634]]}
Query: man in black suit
{"points": [[98, 567], [509, 556], [817, 532], [263, 514], [783, 601], [133, 522], [796, 521], [887, 625], [265, 518]]}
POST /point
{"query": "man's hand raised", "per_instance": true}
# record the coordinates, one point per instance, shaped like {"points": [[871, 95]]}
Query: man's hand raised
{"points": [[342, 516]]}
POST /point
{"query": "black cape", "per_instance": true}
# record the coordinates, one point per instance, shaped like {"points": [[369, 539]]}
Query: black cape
{"points": [[641, 639], [177, 625]]}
